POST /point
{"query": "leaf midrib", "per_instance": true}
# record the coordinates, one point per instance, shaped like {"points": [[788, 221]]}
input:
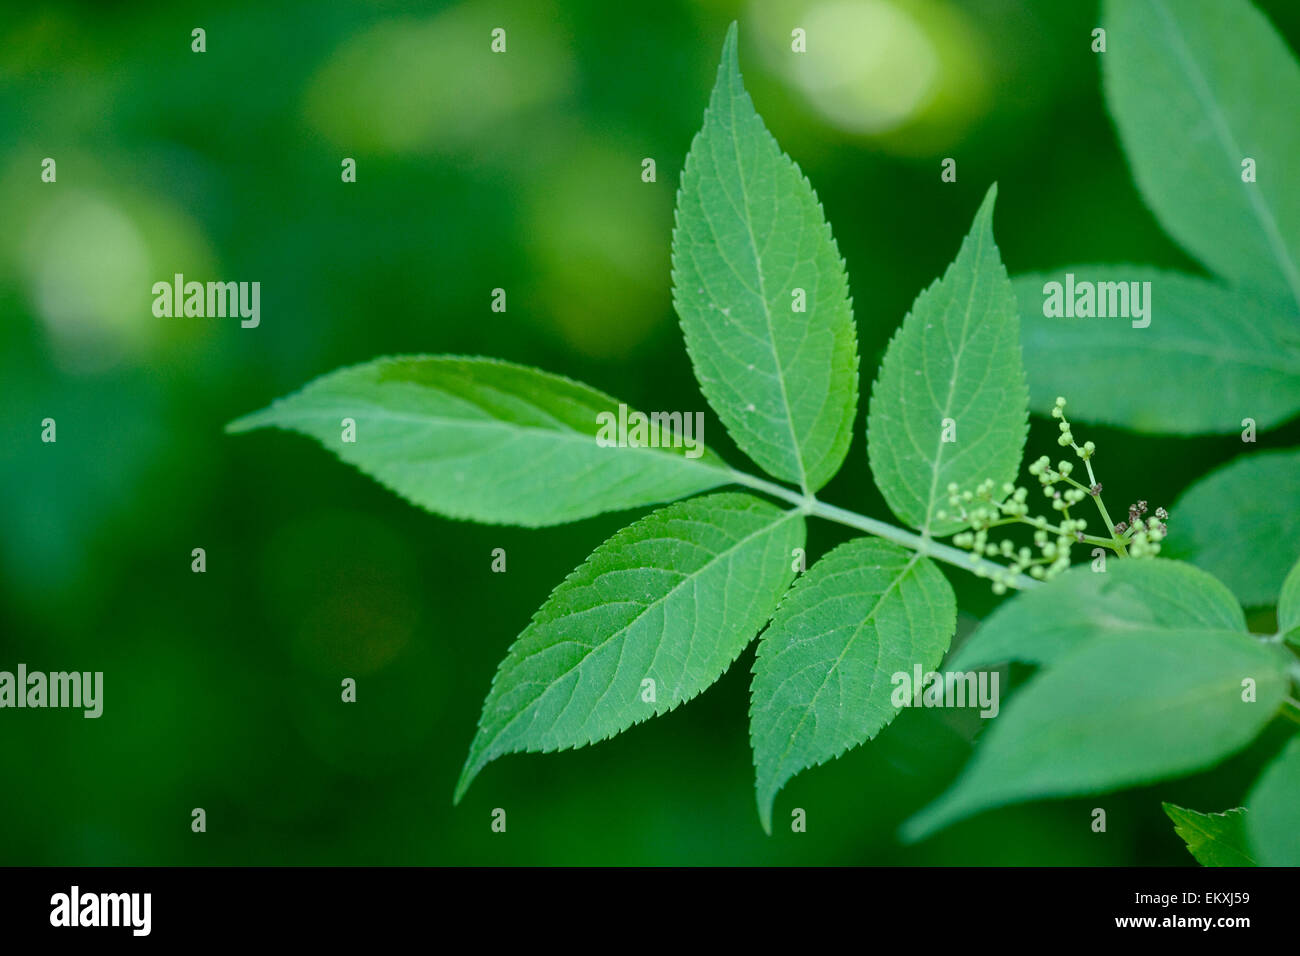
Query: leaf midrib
{"points": [[565, 433], [762, 290], [1193, 824], [1204, 691], [1233, 152], [952, 382], [857, 632], [1286, 360], [686, 579]]}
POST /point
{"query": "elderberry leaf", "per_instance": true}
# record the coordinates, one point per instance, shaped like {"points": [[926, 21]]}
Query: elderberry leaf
{"points": [[1042, 625], [1214, 839], [1197, 88], [751, 246], [823, 675], [1273, 822], [1122, 709], [671, 599], [1288, 606], [1240, 523], [487, 440], [1190, 371], [950, 403]]}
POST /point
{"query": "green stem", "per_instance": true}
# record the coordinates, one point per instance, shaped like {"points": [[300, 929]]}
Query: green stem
{"points": [[1054, 529], [913, 542], [1114, 542], [1101, 507]]}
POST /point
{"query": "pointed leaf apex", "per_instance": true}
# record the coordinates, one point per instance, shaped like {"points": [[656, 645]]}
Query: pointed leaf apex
{"points": [[462, 784], [986, 205]]}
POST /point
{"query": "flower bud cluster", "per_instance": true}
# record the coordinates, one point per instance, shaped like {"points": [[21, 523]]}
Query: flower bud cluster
{"points": [[984, 511]]}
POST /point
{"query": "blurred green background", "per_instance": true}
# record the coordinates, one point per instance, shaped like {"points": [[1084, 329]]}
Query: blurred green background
{"points": [[474, 171]]}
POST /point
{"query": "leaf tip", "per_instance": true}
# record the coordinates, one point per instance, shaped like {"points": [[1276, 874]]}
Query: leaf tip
{"points": [[467, 776], [985, 213], [928, 820], [246, 423], [729, 65], [479, 757]]}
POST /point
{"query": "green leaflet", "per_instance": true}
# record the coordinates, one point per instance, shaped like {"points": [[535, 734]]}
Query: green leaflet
{"points": [[1041, 626], [486, 440], [956, 356], [822, 678], [1240, 523], [1195, 87], [1210, 357], [672, 598], [1273, 823], [750, 236], [1214, 839], [1288, 602], [1122, 709]]}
